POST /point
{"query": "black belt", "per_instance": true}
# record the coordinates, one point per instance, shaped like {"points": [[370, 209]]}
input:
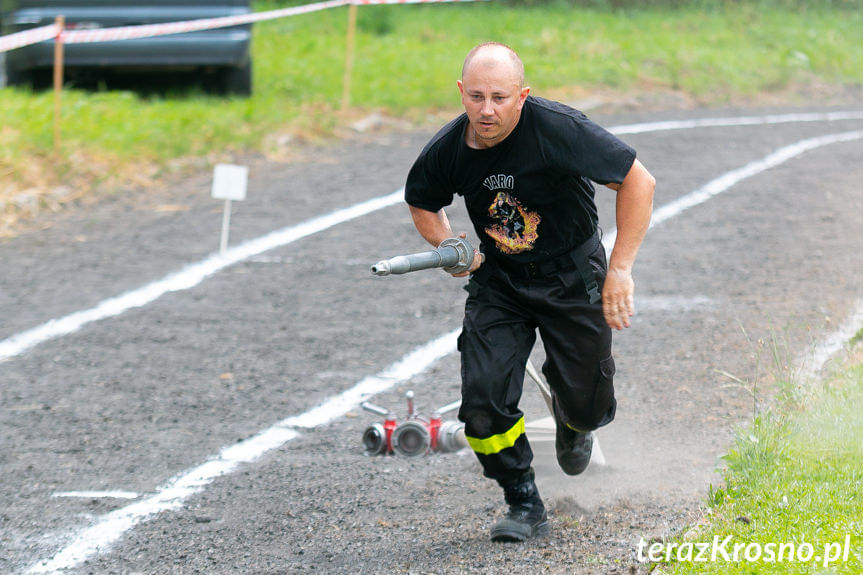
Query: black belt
{"points": [[578, 257]]}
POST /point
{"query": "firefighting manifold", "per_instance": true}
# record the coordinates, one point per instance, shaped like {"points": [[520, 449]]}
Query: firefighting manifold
{"points": [[415, 435]]}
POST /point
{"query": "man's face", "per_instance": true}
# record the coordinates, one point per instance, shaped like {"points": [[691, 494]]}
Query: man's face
{"points": [[493, 97]]}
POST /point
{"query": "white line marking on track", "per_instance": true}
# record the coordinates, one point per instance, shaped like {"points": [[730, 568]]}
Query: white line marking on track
{"points": [[97, 494], [188, 277], [675, 303], [812, 364], [108, 529], [738, 121]]}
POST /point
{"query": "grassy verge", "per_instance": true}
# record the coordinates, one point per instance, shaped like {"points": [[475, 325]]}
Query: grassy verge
{"points": [[792, 500], [407, 60]]}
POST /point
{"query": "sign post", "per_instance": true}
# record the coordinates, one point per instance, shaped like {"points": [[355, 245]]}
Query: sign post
{"points": [[229, 183]]}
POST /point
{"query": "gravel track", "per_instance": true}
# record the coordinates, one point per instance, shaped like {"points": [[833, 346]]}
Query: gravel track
{"points": [[129, 402]]}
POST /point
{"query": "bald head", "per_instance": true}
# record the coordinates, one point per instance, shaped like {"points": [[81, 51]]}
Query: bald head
{"points": [[492, 92], [494, 57]]}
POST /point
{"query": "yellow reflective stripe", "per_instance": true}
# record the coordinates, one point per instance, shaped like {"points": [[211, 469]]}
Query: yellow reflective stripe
{"points": [[499, 442]]}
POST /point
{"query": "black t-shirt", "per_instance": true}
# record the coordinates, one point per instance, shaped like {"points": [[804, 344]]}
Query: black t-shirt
{"points": [[530, 197]]}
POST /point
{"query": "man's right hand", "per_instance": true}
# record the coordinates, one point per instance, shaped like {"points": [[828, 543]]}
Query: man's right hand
{"points": [[478, 259], [617, 298]]}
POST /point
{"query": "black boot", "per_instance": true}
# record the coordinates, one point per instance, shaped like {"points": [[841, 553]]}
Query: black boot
{"points": [[573, 447], [526, 516]]}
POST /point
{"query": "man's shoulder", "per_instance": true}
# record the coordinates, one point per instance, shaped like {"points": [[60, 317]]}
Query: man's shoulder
{"points": [[447, 136], [551, 110]]}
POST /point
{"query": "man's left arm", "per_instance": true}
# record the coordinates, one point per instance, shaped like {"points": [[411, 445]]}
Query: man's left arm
{"points": [[634, 207]]}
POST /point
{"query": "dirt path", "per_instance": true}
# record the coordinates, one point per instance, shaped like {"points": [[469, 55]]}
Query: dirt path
{"points": [[129, 402]]}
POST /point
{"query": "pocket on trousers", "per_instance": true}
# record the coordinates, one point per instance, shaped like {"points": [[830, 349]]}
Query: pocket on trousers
{"points": [[607, 369], [604, 404]]}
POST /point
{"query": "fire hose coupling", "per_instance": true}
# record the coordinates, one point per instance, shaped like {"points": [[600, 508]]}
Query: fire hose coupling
{"points": [[465, 254], [416, 435], [454, 255]]}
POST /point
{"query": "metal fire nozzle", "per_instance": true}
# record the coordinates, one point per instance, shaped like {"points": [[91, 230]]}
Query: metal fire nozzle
{"points": [[454, 255]]}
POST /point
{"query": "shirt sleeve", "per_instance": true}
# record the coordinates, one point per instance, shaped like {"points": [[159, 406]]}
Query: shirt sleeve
{"points": [[580, 147], [426, 187]]}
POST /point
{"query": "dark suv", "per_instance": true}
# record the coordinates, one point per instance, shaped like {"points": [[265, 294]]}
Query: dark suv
{"points": [[221, 54]]}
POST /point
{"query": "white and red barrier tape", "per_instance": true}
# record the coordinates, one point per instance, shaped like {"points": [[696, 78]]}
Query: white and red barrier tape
{"points": [[36, 35], [148, 30], [27, 37]]}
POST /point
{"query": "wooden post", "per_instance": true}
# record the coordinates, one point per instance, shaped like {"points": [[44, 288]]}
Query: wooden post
{"points": [[60, 21], [349, 56]]}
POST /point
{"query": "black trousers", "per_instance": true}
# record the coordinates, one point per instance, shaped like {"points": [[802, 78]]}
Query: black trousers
{"points": [[502, 314]]}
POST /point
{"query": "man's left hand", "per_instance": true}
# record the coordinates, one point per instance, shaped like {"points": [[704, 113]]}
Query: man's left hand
{"points": [[617, 298]]}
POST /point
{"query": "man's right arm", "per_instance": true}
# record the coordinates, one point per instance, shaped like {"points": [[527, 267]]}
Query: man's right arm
{"points": [[433, 226]]}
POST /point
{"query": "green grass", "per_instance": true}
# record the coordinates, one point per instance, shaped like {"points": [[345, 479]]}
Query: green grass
{"points": [[792, 478], [409, 57], [406, 62]]}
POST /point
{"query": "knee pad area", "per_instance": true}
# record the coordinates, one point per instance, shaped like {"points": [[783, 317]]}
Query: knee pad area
{"points": [[478, 422]]}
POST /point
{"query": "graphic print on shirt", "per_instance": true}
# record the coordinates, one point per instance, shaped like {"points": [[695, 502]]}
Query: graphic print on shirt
{"points": [[515, 228]]}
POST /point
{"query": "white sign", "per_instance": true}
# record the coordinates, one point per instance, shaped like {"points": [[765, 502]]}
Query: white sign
{"points": [[229, 182]]}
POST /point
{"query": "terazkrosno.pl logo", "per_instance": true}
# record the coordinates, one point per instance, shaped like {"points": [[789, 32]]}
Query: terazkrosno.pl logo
{"points": [[728, 551]]}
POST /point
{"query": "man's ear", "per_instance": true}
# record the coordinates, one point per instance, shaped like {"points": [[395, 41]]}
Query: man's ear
{"points": [[460, 85], [523, 96]]}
